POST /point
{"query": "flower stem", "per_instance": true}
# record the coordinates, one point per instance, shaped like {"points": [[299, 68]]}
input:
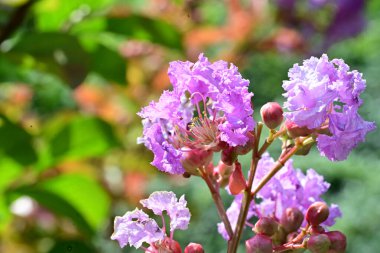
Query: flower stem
{"points": [[218, 202], [277, 166], [247, 196]]}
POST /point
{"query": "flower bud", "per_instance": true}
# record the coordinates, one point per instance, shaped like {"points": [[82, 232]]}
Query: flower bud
{"points": [[305, 149], [167, 246], [291, 219], [242, 150], [318, 243], [259, 244], [192, 159], [237, 182], [280, 236], [271, 114], [228, 156], [295, 131], [266, 226], [317, 213], [194, 248], [222, 172], [338, 242]]}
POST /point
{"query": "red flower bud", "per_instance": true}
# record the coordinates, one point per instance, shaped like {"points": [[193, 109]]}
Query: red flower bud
{"points": [[222, 172], [295, 131], [237, 182], [338, 242], [167, 246], [317, 213], [259, 244], [228, 156], [192, 159], [291, 219], [271, 114], [318, 243], [194, 248], [266, 226]]}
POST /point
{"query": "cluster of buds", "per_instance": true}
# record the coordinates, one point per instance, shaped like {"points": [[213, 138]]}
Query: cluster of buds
{"points": [[171, 246], [287, 235]]}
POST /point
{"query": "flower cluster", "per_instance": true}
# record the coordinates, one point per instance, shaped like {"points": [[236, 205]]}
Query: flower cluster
{"points": [[210, 104], [136, 228], [323, 94], [209, 110], [289, 188]]}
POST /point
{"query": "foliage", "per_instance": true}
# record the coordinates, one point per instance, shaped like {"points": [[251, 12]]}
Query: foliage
{"points": [[73, 74]]}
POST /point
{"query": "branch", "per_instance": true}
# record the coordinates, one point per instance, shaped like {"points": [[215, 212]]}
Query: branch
{"points": [[15, 20]]}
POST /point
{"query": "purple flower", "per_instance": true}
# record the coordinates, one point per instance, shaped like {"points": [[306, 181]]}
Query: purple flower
{"points": [[136, 228], [214, 92], [326, 94], [348, 130], [223, 89], [290, 187], [176, 209]]}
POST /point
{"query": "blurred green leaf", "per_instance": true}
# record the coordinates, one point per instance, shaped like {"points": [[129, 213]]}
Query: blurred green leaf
{"points": [[115, 66], [80, 138], [144, 28], [72, 247], [61, 54], [74, 196], [16, 143], [53, 15]]}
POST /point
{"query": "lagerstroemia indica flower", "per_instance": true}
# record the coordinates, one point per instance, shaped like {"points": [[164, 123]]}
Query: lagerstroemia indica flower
{"points": [[210, 103], [136, 228], [289, 188], [326, 94]]}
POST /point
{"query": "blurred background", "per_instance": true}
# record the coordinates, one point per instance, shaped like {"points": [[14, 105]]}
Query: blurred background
{"points": [[74, 73]]}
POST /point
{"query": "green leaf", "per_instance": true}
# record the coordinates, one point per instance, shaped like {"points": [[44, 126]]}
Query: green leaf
{"points": [[73, 196], [82, 137], [53, 15], [144, 28], [58, 53], [16, 143], [115, 66], [72, 246]]}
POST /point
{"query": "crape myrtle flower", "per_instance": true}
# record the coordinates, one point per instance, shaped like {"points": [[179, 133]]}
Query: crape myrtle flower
{"points": [[209, 104], [136, 228], [176, 209], [289, 188], [326, 94]]}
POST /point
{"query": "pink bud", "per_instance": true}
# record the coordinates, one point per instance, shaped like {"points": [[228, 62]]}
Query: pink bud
{"points": [[165, 246], [338, 242], [228, 156], [222, 173], [291, 219], [259, 244], [237, 182], [242, 150], [271, 113], [318, 243], [194, 248], [266, 226], [295, 131], [317, 213], [192, 159]]}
